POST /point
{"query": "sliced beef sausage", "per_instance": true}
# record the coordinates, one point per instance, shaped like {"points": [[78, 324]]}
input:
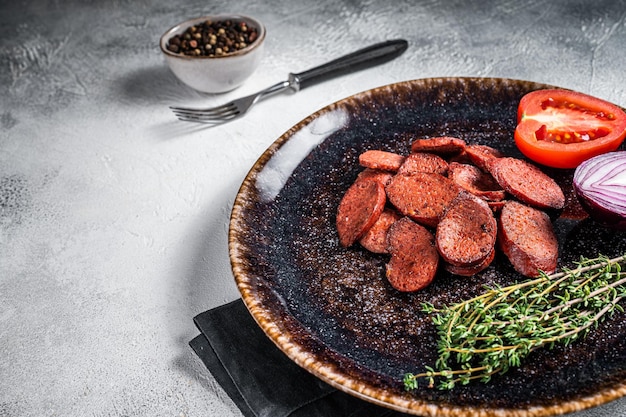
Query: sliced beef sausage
{"points": [[422, 196], [424, 162], [481, 155], [359, 209], [466, 234], [527, 183], [527, 238], [375, 239], [442, 145], [477, 182], [383, 160], [381, 176], [414, 258], [468, 271]]}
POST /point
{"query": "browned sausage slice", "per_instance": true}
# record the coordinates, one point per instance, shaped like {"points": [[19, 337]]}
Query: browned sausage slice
{"points": [[466, 234], [422, 196], [481, 155], [381, 176], [477, 182], [359, 209], [424, 162], [375, 239], [414, 258], [496, 206], [527, 238], [383, 160], [468, 271], [527, 182], [445, 145]]}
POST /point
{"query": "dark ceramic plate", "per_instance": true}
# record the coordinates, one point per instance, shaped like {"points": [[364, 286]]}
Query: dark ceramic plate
{"points": [[331, 309]]}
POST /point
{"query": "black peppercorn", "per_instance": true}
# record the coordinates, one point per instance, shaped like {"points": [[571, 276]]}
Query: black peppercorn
{"points": [[213, 38]]}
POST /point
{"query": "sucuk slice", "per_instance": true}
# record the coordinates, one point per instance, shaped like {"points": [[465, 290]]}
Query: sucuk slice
{"points": [[496, 206], [381, 176], [359, 209], [527, 238], [468, 271], [442, 145], [481, 155], [424, 162], [375, 239], [422, 196], [477, 182], [527, 183], [414, 258], [466, 234], [383, 160]]}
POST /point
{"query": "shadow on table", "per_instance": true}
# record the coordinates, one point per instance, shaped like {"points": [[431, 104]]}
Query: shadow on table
{"points": [[175, 129], [206, 281], [155, 85]]}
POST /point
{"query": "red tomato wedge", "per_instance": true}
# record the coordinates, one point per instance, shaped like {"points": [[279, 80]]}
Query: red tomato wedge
{"points": [[562, 128]]}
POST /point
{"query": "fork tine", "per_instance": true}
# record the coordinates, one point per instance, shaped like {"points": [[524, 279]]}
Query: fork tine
{"points": [[213, 113], [206, 122], [209, 119], [213, 110], [229, 111]]}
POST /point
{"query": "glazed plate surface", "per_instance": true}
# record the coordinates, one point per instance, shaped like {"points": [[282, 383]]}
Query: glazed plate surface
{"points": [[331, 310]]}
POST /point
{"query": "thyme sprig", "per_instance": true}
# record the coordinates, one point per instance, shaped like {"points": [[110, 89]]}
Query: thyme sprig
{"points": [[492, 332]]}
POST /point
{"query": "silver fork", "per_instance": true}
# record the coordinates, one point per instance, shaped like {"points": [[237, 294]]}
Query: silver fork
{"points": [[361, 59]]}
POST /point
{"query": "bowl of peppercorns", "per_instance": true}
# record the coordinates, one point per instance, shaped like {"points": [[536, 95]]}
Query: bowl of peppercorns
{"points": [[214, 54]]}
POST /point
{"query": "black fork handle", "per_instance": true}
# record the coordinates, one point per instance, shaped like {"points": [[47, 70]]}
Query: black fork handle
{"points": [[363, 58]]}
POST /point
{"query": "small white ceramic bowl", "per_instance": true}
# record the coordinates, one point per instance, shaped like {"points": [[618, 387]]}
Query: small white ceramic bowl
{"points": [[215, 74]]}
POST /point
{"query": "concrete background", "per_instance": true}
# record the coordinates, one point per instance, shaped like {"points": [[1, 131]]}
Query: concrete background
{"points": [[114, 216]]}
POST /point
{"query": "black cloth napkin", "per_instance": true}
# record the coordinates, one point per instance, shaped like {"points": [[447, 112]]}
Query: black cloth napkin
{"points": [[260, 379]]}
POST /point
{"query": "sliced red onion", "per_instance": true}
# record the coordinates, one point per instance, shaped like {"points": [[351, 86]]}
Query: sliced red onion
{"points": [[600, 184]]}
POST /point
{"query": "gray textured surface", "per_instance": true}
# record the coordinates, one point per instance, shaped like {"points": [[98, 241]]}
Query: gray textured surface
{"points": [[114, 216]]}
